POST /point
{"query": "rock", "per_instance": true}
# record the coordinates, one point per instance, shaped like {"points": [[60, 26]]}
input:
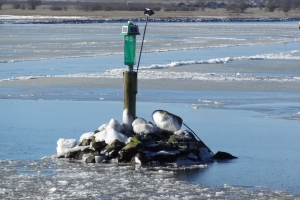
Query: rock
{"points": [[164, 156], [159, 146], [166, 121], [98, 146], [100, 158], [85, 142], [71, 154], [165, 135], [112, 150], [80, 154], [192, 157], [91, 157], [160, 143], [220, 155], [184, 136], [140, 158], [173, 139], [205, 154], [127, 152], [184, 146], [188, 146], [127, 133]]}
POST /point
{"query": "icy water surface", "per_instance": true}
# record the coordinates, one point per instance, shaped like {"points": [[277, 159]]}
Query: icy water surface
{"points": [[81, 181], [265, 168], [96, 48]]}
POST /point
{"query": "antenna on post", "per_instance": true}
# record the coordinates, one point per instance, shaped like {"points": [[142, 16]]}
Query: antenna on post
{"points": [[148, 12]]}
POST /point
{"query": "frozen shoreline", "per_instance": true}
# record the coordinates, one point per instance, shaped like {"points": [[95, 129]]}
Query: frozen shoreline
{"points": [[157, 84]]}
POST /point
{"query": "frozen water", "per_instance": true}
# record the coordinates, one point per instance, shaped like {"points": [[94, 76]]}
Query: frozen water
{"points": [[77, 181], [203, 43]]}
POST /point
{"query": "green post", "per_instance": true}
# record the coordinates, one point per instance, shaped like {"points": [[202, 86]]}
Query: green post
{"points": [[130, 77], [129, 50]]}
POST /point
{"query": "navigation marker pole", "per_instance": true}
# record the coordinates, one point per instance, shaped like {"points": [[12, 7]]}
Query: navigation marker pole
{"points": [[148, 12]]}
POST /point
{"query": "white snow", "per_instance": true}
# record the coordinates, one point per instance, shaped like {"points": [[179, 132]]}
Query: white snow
{"points": [[137, 160], [166, 121], [65, 145], [127, 120], [86, 136], [63, 149], [115, 125], [102, 127], [139, 121], [111, 132], [141, 126], [146, 129], [110, 135]]}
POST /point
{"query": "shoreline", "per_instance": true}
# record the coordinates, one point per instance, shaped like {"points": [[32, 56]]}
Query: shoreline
{"points": [[49, 20], [157, 84], [43, 19], [43, 14]]}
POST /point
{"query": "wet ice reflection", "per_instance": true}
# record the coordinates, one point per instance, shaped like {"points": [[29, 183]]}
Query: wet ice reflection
{"points": [[50, 178]]}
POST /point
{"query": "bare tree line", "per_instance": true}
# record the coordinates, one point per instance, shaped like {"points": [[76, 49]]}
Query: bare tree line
{"points": [[232, 5], [29, 4], [283, 5]]}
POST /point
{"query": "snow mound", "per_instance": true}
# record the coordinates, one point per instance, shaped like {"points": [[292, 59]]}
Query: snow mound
{"points": [[65, 146], [110, 135], [166, 121]]}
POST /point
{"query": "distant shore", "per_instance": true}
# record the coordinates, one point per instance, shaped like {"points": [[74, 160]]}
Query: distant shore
{"points": [[220, 14]]}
